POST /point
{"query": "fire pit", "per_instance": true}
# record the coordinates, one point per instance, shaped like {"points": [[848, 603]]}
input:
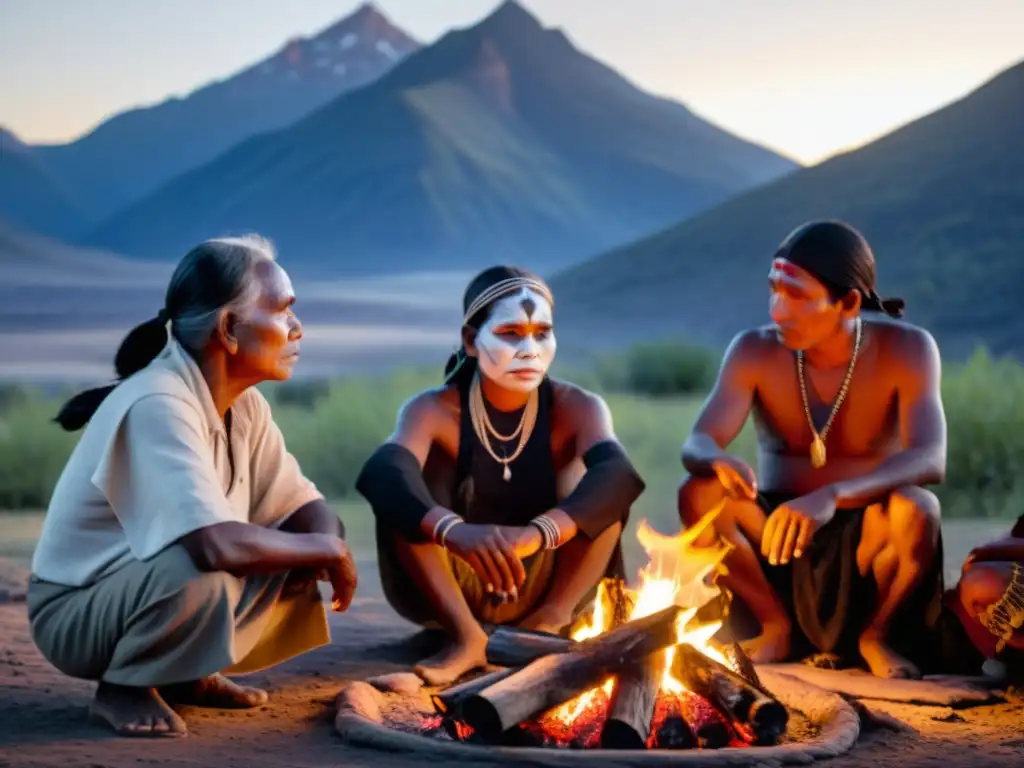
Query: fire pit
{"points": [[637, 679]]}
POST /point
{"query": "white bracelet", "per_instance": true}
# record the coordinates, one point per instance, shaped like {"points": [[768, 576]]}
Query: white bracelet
{"points": [[549, 531], [442, 521], [453, 521]]}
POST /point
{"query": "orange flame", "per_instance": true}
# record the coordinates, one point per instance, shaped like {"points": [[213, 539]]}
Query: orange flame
{"points": [[677, 573]]}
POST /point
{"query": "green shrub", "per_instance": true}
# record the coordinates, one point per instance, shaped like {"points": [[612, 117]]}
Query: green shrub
{"points": [[332, 427], [659, 369]]}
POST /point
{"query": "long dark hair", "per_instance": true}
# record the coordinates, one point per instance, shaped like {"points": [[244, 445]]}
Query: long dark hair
{"points": [[214, 275], [841, 259], [461, 367]]}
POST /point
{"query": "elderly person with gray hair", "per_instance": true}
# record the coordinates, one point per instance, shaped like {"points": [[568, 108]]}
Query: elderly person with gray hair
{"points": [[182, 540]]}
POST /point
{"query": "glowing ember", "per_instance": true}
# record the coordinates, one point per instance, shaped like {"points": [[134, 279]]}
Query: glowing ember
{"points": [[677, 573]]}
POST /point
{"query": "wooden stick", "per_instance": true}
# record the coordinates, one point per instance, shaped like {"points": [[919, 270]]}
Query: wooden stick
{"points": [[708, 725], [670, 729], [512, 647], [553, 680], [631, 709], [735, 653], [621, 601], [756, 716], [450, 701]]}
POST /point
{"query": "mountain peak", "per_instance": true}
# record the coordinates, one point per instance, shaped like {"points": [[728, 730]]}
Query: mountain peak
{"points": [[513, 17], [358, 47], [366, 18], [9, 142]]}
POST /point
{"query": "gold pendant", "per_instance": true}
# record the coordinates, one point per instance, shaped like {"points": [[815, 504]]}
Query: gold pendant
{"points": [[507, 474], [818, 452]]}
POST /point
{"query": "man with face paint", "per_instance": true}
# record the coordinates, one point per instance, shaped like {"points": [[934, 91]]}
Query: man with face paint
{"points": [[501, 496], [837, 546]]}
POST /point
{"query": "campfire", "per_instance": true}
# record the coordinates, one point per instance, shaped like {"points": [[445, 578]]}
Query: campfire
{"points": [[638, 671]]}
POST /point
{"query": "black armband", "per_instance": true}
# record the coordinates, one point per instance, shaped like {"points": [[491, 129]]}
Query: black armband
{"points": [[606, 492], [392, 482]]}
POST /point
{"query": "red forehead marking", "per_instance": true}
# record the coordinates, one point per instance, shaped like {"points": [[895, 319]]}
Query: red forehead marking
{"points": [[785, 267]]}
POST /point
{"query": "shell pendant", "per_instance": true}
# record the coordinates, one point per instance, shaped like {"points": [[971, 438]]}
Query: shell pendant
{"points": [[507, 474], [818, 456]]}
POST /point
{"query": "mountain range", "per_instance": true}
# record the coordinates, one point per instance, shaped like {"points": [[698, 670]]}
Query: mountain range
{"points": [[498, 142], [941, 200], [133, 153], [31, 195]]}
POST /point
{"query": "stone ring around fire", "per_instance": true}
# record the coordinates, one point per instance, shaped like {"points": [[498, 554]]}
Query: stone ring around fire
{"points": [[392, 722]]}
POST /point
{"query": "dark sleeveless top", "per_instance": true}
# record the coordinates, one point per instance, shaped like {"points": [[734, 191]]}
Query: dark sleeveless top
{"points": [[482, 495]]}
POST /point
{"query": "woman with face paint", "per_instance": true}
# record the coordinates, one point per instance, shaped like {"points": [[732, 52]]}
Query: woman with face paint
{"points": [[501, 496]]}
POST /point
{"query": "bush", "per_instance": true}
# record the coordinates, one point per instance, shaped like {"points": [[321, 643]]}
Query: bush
{"points": [[334, 427], [984, 404], [659, 369]]}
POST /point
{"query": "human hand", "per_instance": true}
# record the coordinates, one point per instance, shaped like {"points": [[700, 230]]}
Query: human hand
{"points": [[343, 576], [791, 526], [486, 550], [300, 580], [526, 540], [737, 476]]}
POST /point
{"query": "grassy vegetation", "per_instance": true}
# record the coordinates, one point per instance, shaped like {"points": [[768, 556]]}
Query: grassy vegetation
{"points": [[333, 426]]}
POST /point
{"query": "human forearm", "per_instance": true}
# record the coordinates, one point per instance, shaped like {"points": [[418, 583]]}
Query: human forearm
{"points": [[604, 494], [700, 452], [915, 466], [392, 482], [243, 549], [315, 517], [1009, 550]]}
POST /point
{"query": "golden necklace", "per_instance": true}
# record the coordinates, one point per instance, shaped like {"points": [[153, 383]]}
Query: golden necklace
{"points": [[485, 430], [818, 455]]}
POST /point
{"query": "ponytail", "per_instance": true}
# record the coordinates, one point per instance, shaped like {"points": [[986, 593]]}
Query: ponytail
{"points": [[215, 276], [893, 307], [139, 348], [460, 369]]}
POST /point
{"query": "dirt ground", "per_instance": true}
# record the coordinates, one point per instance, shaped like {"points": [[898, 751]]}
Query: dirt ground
{"points": [[43, 717]]}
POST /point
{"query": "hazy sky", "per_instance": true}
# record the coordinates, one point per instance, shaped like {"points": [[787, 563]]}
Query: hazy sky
{"points": [[806, 77]]}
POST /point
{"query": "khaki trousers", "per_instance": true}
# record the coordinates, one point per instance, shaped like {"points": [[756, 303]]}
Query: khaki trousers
{"points": [[163, 621]]}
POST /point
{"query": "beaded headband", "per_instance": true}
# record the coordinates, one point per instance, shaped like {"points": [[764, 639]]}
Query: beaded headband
{"points": [[503, 288]]}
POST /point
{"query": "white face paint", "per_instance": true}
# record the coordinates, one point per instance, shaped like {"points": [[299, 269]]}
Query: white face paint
{"points": [[517, 343]]}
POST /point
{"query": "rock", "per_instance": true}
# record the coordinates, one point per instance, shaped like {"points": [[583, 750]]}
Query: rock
{"points": [[362, 699], [405, 683]]}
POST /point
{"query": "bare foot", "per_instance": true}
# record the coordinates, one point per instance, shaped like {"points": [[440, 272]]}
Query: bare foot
{"points": [[136, 712], [885, 662], [215, 692], [456, 659], [771, 646]]}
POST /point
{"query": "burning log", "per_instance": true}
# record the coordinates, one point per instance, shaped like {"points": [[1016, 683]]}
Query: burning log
{"points": [[706, 723], [738, 657], [670, 729], [621, 599], [756, 716], [554, 679], [450, 701], [631, 710], [512, 647]]}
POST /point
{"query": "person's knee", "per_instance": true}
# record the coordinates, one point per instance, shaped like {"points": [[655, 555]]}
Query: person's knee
{"points": [[914, 520], [698, 496], [981, 585]]}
